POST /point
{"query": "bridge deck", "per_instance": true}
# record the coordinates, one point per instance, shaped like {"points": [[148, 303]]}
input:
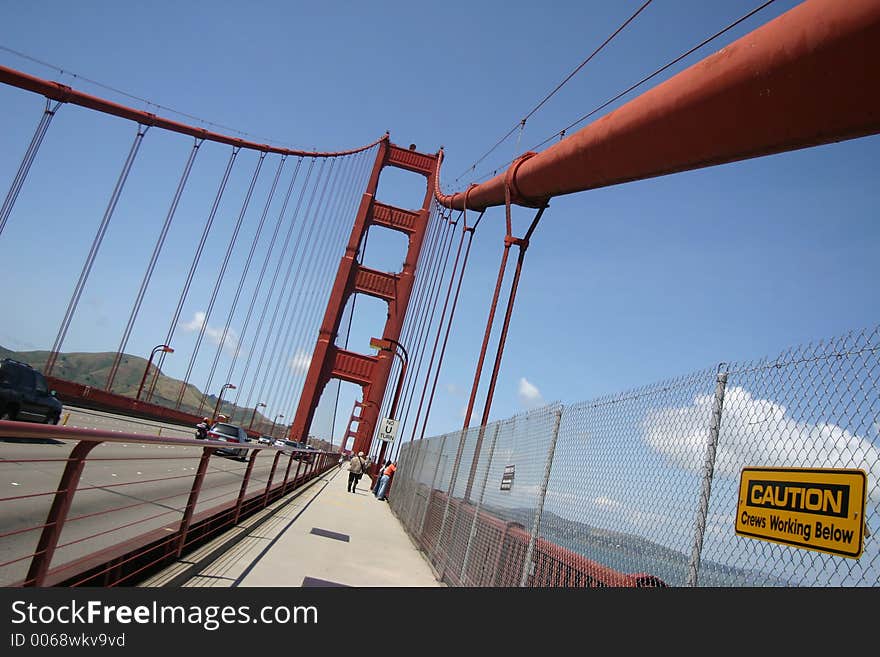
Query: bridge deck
{"points": [[320, 536]]}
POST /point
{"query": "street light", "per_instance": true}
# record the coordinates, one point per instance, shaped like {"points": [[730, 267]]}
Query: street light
{"points": [[220, 397], [273, 424], [254, 414], [161, 347], [388, 344]]}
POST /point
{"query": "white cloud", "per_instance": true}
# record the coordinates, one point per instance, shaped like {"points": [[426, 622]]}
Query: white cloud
{"points": [[214, 334], [452, 389], [607, 503], [300, 362], [756, 432], [529, 395]]}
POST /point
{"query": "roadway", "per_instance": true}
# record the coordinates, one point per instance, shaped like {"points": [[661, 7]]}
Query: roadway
{"points": [[126, 489]]}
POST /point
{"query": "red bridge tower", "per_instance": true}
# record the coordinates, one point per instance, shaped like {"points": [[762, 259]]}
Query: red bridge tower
{"points": [[370, 372]]}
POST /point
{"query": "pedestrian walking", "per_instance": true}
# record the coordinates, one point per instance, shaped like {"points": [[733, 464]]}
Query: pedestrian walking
{"points": [[385, 481], [355, 470]]}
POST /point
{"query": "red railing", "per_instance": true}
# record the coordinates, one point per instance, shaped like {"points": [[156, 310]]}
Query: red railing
{"points": [[96, 515], [81, 395], [503, 552]]}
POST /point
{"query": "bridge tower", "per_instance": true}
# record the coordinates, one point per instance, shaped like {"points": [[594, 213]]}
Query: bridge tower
{"points": [[368, 371]]}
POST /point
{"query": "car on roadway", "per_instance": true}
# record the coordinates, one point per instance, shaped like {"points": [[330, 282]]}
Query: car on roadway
{"points": [[230, 433], [289, 447], [25, 395], [266, 440]]}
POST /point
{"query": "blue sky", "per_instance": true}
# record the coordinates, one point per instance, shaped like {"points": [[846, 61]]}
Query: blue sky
{"points": [[622, 286]]}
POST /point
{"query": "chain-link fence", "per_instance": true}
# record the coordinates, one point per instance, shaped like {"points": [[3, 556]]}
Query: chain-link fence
{"points": [[647, 488]]}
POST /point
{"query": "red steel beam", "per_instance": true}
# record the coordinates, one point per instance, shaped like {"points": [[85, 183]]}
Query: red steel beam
{"points": [[65, 94], [806, 78]]}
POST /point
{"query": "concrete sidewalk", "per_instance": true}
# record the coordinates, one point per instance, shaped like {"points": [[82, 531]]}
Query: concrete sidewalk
{"points": [[321, 535]]}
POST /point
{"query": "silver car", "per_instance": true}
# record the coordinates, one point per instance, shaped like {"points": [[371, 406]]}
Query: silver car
{"points": [[230, 433]]}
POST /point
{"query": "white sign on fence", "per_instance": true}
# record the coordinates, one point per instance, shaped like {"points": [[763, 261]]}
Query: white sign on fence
{"points": [[388, 429]]}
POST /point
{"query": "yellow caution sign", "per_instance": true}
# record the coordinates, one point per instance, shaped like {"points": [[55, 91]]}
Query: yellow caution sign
{"points": [[822, 510]]}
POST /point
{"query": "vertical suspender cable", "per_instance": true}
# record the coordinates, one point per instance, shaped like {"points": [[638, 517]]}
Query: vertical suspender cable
{"points": [[93, 252], [422, 341], [244, 272], [348, 187], [268, 297], [470, 231], [282, 294], [452, 277], [523, 245], [320, 249], [217, 284], [308, 283], [312, 323], [26, 162], [192, 269], [308, 219], [148, 274], [416, 326]]}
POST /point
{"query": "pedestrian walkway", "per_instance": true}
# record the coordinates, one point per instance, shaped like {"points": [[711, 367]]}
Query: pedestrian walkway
{"points": [[321, 535]]}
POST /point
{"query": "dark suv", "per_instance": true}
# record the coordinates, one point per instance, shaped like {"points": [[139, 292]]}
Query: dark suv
{"points": [[230, 433], [25, 396]]}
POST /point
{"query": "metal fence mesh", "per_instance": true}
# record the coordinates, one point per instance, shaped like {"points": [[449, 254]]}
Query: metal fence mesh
{"points": [[641, 488]]}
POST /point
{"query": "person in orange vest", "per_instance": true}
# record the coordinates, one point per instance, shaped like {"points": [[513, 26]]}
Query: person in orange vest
{"points": [[385, 480]]}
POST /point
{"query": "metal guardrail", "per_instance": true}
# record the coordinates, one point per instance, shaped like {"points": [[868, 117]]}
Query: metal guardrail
{"points": [[77, 522]]}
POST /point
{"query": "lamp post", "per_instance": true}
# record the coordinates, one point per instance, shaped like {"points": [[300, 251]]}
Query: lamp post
{"points": [[388, 344], [254, 414], [272, 430], [157, 349], [220, 398]]}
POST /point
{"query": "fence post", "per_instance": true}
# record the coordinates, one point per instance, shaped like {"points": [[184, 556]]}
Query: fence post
{"points": [[58, 513], [467, 552], [244, 485], [271, 476], [286, 475], [537, 523], [433, 484], [452, 479], [708, 472], [418, 462], [193, 498]]}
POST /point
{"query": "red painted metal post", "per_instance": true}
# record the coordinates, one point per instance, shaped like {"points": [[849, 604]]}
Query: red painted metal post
{"points": [[296, 474], [244, 485], [42, 559], [271, 476], [286, 474], [193, 499], [806, 78]]}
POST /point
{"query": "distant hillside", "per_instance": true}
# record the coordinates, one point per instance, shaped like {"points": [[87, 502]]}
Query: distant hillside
{"points": [[92, 369]]}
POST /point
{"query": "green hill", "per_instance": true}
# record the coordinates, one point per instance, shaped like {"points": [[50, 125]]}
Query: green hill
{"points": [[92, 369]]}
